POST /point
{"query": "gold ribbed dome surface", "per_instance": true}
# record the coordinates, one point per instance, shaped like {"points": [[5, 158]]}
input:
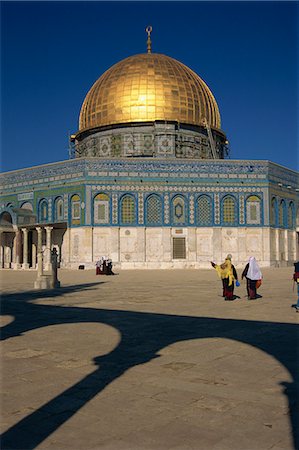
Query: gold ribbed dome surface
{"points": [[149, 87]]}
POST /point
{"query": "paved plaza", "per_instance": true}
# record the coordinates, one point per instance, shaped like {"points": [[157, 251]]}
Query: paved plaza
{"points": [[148, 360]]}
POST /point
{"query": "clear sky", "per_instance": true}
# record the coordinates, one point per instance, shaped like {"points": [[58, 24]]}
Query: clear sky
{"points": [[52, 52]]}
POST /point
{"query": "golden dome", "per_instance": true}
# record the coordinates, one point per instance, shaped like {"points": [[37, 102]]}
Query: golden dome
{"points": [[149, 87]]}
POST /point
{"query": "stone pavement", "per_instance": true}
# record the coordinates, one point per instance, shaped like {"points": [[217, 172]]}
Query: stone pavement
{"points": [[148, 360]]}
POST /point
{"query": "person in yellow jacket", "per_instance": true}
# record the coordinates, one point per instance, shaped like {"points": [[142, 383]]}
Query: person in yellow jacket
{"points": [[228, 275]]}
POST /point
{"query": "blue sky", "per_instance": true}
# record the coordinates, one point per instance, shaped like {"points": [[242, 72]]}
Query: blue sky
{"points": [[52, 52]]}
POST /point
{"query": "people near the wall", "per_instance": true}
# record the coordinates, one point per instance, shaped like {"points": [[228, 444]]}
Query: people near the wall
{"points": [[98, 267], [104, 266], [109, 267], [228, 275], [253, 276], [296, 280]]}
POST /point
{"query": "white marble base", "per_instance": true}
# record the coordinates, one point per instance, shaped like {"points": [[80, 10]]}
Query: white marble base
{"points": [[152, 248]]}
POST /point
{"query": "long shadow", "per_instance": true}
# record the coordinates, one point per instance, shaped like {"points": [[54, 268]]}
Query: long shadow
{"points": [[143, 335]]}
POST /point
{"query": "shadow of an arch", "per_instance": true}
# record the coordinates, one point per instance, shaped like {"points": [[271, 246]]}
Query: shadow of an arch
{"points": [[143, 335]]}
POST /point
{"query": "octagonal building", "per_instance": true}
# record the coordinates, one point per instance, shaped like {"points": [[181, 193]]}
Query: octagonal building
{"points": [[148, 183]]}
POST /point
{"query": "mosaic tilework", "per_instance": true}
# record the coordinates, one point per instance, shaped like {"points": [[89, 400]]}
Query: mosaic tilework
{"points": [[191, 208], [71, 170], [65, 211], [175, 189], [140, 207], [253, 210], [50, 208], [217, 209], [241, 209], [88, 205], [178, 210], [166, 209], [114, 208]]}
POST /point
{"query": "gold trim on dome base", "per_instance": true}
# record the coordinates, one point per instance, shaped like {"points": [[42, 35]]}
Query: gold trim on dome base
{"points": [[149, 87]]}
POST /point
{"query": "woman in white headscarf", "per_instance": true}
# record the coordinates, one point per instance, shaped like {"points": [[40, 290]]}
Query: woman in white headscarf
{"points": [[253, 275]]}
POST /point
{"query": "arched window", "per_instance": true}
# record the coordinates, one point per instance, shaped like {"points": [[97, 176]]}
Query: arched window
{"points": [[101, 208], [153, 210], [43, 210], [253, 210], [59, 209], [229, 210], [128, 210], [204, 210], [281, 213], [76, 209], [273, 211], [178, 210], [291, 215], [27, 205]]}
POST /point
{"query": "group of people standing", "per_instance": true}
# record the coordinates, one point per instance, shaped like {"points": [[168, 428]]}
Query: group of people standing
{"points": [[228, 274], [104, 266]]}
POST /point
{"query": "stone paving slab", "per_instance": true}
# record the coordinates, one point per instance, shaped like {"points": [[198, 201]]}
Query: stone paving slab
{"points": [[148, 360]]}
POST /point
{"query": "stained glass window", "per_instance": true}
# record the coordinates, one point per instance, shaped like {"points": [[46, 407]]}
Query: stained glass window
{"points": [[253, 210], [153, 210], [178, 210], [229, 210], [128, 210], [204, 210], [101, 208]]}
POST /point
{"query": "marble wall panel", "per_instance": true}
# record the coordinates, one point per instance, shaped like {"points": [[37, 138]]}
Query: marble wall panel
{"points": [[191, 244], [132, 244], [154, 244], [204, 244], [101, 242], [131, 247]]}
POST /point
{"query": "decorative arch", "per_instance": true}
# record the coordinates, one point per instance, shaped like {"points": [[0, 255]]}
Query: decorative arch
{"points": [[291, 215], [253, 210], [273, 212], [204, 212], [59, 209], [7, 219], [43, 210], [178, 210], [282, 213], [153, 210], [76, 209], [101, 209], [229, 210], [128, 210], [27, 205]]}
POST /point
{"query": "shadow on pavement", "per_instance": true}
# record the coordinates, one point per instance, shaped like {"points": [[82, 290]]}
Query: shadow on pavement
{"points": [[143, 335]]}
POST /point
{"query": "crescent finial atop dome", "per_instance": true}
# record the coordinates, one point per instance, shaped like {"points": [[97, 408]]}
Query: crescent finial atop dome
{"points": [[149, 29]]}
